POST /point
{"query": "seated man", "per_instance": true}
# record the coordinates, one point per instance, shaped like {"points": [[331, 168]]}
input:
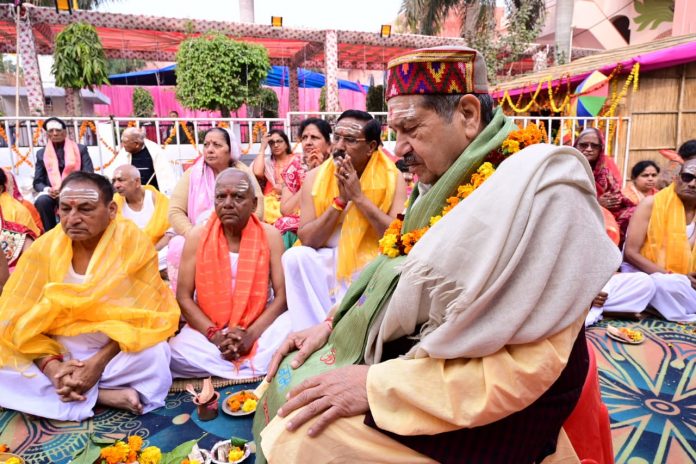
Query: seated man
{"points": [[85, 315], [346, 204], [148, 158], [145, 206], [661, 242], [470, 346], [231, 289], [55, 162]]}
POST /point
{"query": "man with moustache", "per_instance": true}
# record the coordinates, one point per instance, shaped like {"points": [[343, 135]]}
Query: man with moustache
{"points": [[471, 347], [346, 204], [661, 242]]}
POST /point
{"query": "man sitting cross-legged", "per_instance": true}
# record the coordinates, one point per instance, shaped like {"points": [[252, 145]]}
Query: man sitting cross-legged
{"points": [[661, 242], [346, 204], [145, 206], [234, 321], [85, 315]]}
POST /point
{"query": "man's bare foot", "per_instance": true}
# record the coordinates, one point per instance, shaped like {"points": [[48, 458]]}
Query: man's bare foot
{"points": [[125, 398]]}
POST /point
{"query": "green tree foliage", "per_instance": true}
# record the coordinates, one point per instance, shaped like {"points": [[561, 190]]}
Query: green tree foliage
{"points": [[524, 18], [78, 62], [143, 104], [120, 66], [265, 104], [652, 13], [375, 99], [214, 72], [322, 99]]}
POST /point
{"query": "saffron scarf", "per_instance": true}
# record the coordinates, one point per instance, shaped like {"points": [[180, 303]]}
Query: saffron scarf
{"points": [[158, 224], [71, 152], [14, 211], [224, 305], [122, 296], [666, 243], [369, 294], [357, 244]]}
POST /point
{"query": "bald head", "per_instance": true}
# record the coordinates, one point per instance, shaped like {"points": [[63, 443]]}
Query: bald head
{"points": [[127, 182], [235, 199], [132, 140], [239, 177]]}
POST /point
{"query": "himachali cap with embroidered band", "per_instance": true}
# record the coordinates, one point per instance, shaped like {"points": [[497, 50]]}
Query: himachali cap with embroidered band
{"points": [[437, 70]]}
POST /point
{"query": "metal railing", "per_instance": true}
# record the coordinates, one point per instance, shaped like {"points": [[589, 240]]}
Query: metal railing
{"points": [[22, 137]]}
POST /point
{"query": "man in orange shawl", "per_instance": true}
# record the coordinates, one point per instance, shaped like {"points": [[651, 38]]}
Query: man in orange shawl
{"points": [[85, 315], [145, 206], [231, 289], [346, 204], [55, 162], [661, 242]]}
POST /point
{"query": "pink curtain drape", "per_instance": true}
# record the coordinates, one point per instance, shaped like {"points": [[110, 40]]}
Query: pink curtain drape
{"points": [[165, 101]]}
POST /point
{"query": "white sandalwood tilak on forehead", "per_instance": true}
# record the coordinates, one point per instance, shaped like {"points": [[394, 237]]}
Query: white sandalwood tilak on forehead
{"points": [[690, 168], [88, 194], [349, 128], [401, 110]]}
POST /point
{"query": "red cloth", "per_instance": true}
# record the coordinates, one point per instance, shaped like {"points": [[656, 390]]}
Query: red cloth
{"points": [[587, 426]]}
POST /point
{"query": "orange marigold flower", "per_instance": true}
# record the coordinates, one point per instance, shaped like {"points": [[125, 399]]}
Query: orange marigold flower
{"points": [[4, 448], [135, 443]]}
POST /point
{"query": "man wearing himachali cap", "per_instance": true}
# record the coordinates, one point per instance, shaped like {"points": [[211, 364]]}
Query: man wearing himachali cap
{"points": [[471, 347]]}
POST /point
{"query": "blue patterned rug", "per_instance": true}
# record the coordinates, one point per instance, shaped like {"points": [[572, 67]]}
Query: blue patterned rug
{"points": [[649, 389]]}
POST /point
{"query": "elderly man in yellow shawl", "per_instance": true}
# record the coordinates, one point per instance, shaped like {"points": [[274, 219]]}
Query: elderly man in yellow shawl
{"points": [[346, 204], [145, 206], [661, 242], [84, 322]]}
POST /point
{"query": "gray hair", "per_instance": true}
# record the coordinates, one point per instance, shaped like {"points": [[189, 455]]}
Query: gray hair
{"points": [[444, 105], [135, 133]]}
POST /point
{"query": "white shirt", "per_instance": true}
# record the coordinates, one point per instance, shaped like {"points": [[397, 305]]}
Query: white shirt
{"points": [[142, 217]]}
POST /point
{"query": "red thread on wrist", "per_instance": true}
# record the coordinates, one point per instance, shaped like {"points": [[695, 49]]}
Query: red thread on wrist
{"points": [[211, 331], [339, 204], [44, 363]]}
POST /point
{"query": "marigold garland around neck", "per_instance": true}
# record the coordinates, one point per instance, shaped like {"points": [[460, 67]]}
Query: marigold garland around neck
{"points": [[395, 242]]}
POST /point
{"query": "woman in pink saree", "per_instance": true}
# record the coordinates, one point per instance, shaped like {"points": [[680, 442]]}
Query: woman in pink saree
{"points": [[191, 203], [607, 178]]}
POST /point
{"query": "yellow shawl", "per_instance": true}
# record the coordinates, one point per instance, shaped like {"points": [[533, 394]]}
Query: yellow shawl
{"points": [[123, 296], [14, 211], [358, 242], [159, 222], [666, 243]]}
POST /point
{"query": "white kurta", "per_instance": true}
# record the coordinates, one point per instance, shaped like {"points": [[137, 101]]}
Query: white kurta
{"points": [[142, 219], [626, 293], [32, 392], [193, 355]]}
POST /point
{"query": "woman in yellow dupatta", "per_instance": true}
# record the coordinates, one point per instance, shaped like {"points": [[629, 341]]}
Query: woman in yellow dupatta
{"points": [[13, 210]]}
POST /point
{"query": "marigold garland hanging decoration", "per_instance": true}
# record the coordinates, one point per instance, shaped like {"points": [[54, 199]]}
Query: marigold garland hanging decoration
{"points": [[395, 243]]}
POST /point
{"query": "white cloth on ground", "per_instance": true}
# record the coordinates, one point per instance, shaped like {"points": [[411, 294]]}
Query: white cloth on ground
{"points": [[142, 217], [626, 293], [32, 392], [674, 298]]}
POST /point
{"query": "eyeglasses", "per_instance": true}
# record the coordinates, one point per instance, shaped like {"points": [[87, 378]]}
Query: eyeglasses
{"points": [[275, 142], [686, 177], [350, 141], [586, 145]]}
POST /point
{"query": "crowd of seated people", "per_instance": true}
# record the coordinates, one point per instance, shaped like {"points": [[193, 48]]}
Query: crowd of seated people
{"points": [[240, 284]]}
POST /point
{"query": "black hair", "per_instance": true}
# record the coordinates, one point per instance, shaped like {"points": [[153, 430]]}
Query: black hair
{"points": [[3, 180], [323, 127], [288, 150], [224, 133], [688, 149], [373, 128], [445, 105], [641, 166], [58, 120], [101, 182]]}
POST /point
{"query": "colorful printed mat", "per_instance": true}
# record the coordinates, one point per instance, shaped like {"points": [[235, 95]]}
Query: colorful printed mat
{"points": [[650, 390]]}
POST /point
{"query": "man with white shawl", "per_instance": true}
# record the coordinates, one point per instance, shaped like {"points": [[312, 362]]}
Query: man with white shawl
{"points": [[471, 347]]}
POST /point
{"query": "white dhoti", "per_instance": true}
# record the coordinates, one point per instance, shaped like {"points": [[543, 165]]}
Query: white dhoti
{"points": [[628, 292], [674, 298], [193, 355], [311, 286], [162, 258], [146, 372]]}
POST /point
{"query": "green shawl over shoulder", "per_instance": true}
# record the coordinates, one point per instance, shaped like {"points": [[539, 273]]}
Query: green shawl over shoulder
{"points": [[368, 295]]}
